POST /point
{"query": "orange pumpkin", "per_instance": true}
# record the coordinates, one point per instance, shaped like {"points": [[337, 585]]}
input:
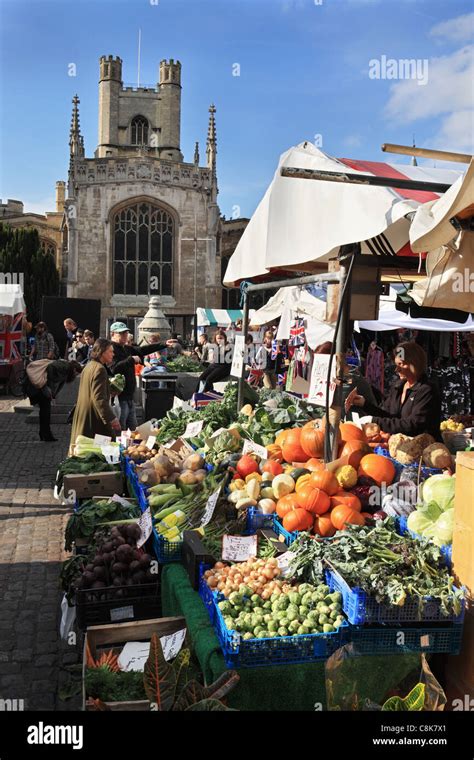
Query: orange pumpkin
{"points": [[273, 467], [354, 451], [350, 432], [326, 481], [377, 467], [286, 504], [302, 481], [274, 452], [291, 448], [347, 498], [312, 439], [313, 500], [342, 514], [297, 519], [323, 525], [314, 464]]}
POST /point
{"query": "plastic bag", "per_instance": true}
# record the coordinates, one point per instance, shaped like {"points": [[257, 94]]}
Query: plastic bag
{"points": [[68, 618], [361, 683]]}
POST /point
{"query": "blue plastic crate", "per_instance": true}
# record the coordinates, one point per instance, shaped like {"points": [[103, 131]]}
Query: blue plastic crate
{"points": [[257, 520], [374, 640], [426, 472], [361, 608], [166, 551], [280, 650], [402, 528]]}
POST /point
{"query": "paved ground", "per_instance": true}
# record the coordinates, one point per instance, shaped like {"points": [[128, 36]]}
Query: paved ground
{"points": [[32, 656]]}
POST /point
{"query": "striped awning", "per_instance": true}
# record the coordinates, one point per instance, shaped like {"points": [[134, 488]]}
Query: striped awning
{"points": [[219, 317]]}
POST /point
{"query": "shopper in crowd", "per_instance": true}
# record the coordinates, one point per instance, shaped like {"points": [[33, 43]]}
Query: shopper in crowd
{"points": [[44, 384], [89, 341], [203, 349], [174, 346], [93, 414], [270, 360], [124, 360], [412, 405], [130, 339], [70, 326], [43, 346], [219, 366], [79, 346], [157, 357]]}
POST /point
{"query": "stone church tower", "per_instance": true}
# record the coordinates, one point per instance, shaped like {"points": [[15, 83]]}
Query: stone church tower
{"points": [[139, 220]]}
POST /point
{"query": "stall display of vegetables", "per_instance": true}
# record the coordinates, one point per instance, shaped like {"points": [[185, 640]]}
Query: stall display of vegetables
{"points": [[433, 518], [83, 523], [183, 364], [85, 446], [83, 465], [166, 466], [382, 563]]}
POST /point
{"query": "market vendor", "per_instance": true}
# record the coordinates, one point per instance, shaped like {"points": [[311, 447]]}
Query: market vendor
{"points": [[412, 405]]}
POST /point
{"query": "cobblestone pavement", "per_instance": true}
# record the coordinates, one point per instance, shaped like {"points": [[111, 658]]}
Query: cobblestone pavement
{"points": [[32, 656]]}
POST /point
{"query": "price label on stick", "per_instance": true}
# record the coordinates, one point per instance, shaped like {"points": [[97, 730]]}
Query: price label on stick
{"points": [[239, 548], [255, 448], [101, 440], [151, 441], [193, 428], [146, 526], [120, 500], [210, 507], [111, 454], [284, 561], [172, 644]]}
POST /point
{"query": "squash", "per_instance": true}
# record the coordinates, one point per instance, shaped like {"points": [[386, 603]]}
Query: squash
{"points": [[237, 485], [279, 440], [267, 506], [274, 452], [312, 439], [297, 519], [291, 448], [342, 514], [303, 480], [267, 492], [286, 504], [323, 526], [282, 485], [313, 500], [348, 499], [324, 480], [346, 476], [246, 466], [377, 467], [272, 466], [353, 451], [298, 472], [314, 464], [437, 455], [254, 476], [253, 489], [350, 432]]}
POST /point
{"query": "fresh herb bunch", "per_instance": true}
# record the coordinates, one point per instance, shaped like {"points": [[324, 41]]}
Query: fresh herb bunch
{"points": [[382, 563], [110, 686]]}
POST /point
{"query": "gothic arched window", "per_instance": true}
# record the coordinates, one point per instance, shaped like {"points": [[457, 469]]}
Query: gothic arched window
{"points": [[139, 131], [143, 250], [48, 247]]}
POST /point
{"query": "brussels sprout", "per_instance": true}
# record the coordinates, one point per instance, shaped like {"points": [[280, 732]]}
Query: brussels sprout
{"points": [[294, 598], [283, 602], [272, 634], [282, 631], [304, 588], [327, 628], [293, 626], [293, 608], [267, 605], [303, 610], [258, 629], [323, 619], [307, 598], [301, 630], [325, 589], [229, 622], [313, 615], [255, 598], [247, 636], [275, 605], [236, 599], [334, 615], [292, 615], [272, 625], [262, 635], [225, 607]]}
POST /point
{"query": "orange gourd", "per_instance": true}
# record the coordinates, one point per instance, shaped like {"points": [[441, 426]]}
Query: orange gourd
{"points": [[273, 467], [302, 481], [354, 451], [377, 467], [274, 452], [347, 498], [297, 519], [342, 514], [279, 440], [326, 481], [314, 464], [323, 525], [313, 500], [350, 432], [286, 504], [312, 439], [291, 448]]}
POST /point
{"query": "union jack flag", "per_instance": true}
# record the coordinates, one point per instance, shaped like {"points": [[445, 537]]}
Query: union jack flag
{"points": [[11, 337], [297, 337], [281, 379], [275, 350]]}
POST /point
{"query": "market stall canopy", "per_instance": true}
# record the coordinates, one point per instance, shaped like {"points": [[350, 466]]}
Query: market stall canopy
{"points": [[11, 300], [219, 317], [299, 222]]}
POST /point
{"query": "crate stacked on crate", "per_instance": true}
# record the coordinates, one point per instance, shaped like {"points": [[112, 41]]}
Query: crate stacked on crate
{"points": [[402, 528]]}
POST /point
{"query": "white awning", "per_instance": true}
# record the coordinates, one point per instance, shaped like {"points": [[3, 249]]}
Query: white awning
{"points": [[11, 300]]}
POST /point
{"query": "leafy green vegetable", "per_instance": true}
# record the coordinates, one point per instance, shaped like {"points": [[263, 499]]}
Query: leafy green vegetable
{"points": [[110, 686], [439, 489], [83, 522], [183, 364]]}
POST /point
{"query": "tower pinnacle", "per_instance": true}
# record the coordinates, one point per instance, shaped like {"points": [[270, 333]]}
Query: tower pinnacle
{"points": [[76, 140], [211, 147]]}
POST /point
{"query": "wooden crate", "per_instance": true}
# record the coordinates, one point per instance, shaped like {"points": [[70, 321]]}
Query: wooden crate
{"points": [[109, 636], [463, 532]]}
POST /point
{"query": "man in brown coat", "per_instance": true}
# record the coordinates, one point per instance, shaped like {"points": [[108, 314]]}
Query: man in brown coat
{"points": [[93, 414]]}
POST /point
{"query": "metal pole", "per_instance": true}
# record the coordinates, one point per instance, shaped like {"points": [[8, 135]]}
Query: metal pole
{"points": [[363, 179], [441, 155], [245, 327], [307, 279]]}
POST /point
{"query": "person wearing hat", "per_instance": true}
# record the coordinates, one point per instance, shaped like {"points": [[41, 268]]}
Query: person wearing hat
{"points": [[124, 361], [43, 347]]}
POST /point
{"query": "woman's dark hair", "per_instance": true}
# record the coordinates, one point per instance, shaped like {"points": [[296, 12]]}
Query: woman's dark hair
{"points": [[73, 370], [101, 345], [221, 334], [88, 334], [248, 338], [412, 354], [324, 348], [205, 336]]}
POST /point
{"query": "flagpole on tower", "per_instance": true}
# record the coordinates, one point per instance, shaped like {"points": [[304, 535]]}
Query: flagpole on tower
{"points": [[139, 47]]}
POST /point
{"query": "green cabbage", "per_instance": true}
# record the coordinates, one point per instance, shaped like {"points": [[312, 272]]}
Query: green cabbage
{"points": [[443, 528], [439, 489], [419, 523]]}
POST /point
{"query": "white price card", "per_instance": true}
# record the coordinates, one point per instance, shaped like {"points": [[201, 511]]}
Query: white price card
{"points": [[284, 562], [238, 357], [101, 440], [172, 644], [239, 548], [134, 656], [124, 439], [150, 442], [145, 523], [170, 444], [210, 507], [111, 453], [193, 428], [425, 640], [255, 448], [121, 613], [120, 500], [319, 388]]}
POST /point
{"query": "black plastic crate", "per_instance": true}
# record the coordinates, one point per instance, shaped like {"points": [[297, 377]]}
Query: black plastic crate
{"points": [[194, 554], [118, 604]]}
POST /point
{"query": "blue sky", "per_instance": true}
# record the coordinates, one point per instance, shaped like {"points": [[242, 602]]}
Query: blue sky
{"points": [[304, 71]]}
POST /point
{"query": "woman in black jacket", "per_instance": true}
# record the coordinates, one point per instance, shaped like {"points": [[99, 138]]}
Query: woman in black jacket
{"points": [[219, 367], [412, 405]]}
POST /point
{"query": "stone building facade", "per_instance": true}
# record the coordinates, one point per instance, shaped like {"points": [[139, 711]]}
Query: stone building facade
{"points": [[139, 220]]}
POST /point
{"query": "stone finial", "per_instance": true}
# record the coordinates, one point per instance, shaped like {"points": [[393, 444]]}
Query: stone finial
{"points": [[211, 147], [196, 154], [76, 140], [414, 162]]}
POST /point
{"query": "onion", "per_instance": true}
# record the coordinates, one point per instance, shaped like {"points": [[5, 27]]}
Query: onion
{"points": [[221, 585], [262, 579], [219, 565], [212, 581], [238, 578], [268, 573]]}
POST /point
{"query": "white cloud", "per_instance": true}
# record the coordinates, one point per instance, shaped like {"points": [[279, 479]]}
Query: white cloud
{"points": [[352, 141], [460, 29], [455, 133]]}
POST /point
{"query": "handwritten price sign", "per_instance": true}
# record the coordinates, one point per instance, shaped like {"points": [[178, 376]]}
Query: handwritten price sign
{"points": [[239, 548]]}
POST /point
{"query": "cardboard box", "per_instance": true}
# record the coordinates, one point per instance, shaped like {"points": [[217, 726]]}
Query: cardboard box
{"points": [[463, 533], [114, 637], [96, 484]]}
